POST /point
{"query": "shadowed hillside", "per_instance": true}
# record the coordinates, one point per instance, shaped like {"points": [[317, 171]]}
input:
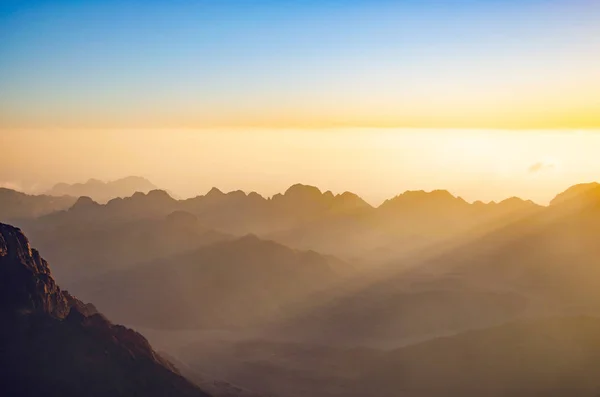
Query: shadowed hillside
{"points": [[231, 283], [83, 250]]}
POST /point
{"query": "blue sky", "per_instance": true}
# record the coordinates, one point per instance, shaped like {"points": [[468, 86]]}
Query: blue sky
{"points": [[200, 63]]}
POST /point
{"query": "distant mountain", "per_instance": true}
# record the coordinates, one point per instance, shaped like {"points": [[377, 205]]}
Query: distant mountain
{"points": [[547, 263], [103, 191], [226, 284], [54, 345], [410, 221], [16, 205], [152, 205], [240, 213], [551, 256], [579, 195], [439, 214], [303, 217]]}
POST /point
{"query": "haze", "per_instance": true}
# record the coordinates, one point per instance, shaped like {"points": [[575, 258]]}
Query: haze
{"points": [[375, 163]]}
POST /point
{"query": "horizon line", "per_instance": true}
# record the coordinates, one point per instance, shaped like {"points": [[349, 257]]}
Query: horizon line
{"points": [[177, 197]]}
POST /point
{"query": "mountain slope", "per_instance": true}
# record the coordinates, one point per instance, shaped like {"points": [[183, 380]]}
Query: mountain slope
{"points": [[16, 205], [303, 217], [81, 250], [51, 344], [231, 283]]}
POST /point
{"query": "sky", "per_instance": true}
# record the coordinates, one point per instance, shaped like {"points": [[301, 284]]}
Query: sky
{"points": [[300, 64], [488, 99]]}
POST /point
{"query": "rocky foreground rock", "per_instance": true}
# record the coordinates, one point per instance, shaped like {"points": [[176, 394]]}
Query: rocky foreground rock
{"points": [[52, 344]]}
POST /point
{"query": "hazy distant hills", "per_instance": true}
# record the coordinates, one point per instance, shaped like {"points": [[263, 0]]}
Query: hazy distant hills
{"points": [[303, 217], [547, 263], [103, 191], [550, 357], [554, 356], [52, 344], [16, 205], [81, 249], [230, 283]]}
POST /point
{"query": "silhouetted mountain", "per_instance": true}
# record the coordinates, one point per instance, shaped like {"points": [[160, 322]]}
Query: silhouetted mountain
{"points": [[551, 256], [410, 221], [543, 264], [439, 213], [51, 344], [303, 217], [103, 191], [240, 213], [246, 281], [234, 212], [579, 196], [16, 205], [152, 205]]}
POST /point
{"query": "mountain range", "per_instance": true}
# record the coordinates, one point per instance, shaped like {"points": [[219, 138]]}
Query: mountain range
{"points": [[103, 191], [305, 218], [311, 293]]}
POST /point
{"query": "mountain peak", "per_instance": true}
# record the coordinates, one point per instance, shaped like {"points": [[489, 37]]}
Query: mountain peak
{"points": [[581, 193], [351, 198], [214, 192], [302, 190], [84, 202], [417, 196], [516, 201], [158, 194]]}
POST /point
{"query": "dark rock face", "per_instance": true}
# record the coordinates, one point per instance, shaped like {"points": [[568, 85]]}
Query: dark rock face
{"points": [[52, 344], [26, 284]]}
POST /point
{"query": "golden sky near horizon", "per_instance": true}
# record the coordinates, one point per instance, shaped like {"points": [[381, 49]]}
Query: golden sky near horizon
{"points": [[374, 163], [514, 64]]}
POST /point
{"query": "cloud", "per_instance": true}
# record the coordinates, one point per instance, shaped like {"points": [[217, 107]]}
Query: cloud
{"points": [[540, 166]]}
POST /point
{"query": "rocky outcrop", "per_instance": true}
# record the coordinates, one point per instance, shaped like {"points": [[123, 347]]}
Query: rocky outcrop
{"points": [[53, 344], [26, 284]]}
